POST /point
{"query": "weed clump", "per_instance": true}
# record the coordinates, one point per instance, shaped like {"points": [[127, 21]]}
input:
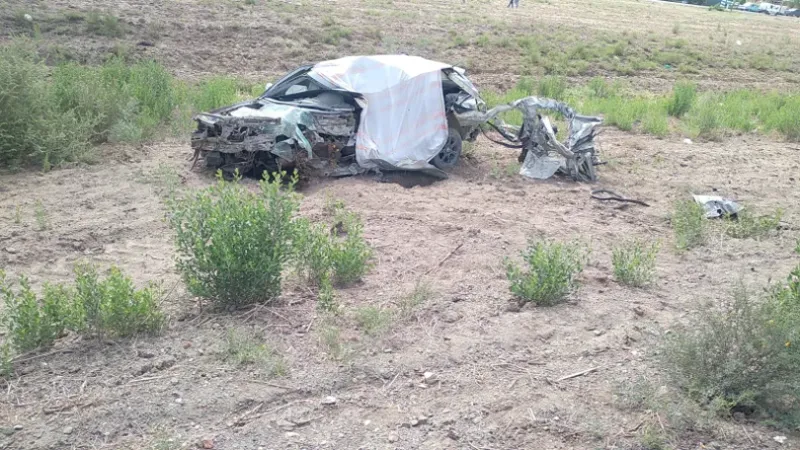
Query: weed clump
{"points": [[550, 272], [689, 224], [635, 263], [104, 25], [243, 347], [232, 243], [744, 356], [337, 252], [683, 95]]}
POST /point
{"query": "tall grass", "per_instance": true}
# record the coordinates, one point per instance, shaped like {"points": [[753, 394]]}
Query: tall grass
{"points": [[55, 115]]}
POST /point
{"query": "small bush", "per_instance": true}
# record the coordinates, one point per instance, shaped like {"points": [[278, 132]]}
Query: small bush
{"points": [[549, 274], [635, 263], [32, 322], [233, 243], [243, 347], [106, 307], [421, 293], [214, 93], [705, 118], [748, 225], [113, 306], [683, 95], [689, 224], [742, 357], [104, 25], [336, 252]]}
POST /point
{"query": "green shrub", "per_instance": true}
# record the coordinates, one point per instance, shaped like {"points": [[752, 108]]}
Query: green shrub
{"points": [[742, 357], [33, 322], [683, 95], [549, 274], [705, 118], [112, 306], [106, 307], [214, 93], [635, 263], [689, 224], [232, 243], [335, 252], [748, 225], [38, 131]]}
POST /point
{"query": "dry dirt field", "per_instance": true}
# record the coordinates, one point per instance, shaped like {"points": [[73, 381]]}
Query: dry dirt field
{"points": [[493, 369]]}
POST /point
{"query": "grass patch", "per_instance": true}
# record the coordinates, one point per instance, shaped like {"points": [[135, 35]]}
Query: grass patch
{"points": [[421, 293], [41, 216], [373, 320], [332, 342], [689, 224], [549, 272], [635, 263], [245, 348], [251, 232], [748, 225], [743, 357], [104, 25], [683, 96], [110, 306]]}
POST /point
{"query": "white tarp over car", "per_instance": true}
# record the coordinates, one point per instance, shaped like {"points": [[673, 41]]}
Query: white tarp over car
{"points": [[403, 122]]}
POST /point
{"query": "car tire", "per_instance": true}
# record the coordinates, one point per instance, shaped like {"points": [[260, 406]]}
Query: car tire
{"points": [[448, 157]]}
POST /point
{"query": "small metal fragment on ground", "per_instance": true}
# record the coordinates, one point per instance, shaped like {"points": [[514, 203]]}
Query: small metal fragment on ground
{"points": [[613, 196], [578, 374], [716, 206]]}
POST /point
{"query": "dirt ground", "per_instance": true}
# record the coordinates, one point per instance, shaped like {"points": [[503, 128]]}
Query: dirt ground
{"points": [[493, 369]]}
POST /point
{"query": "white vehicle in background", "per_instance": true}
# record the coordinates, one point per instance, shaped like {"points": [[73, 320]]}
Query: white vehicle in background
{"points": [[772, 9]]}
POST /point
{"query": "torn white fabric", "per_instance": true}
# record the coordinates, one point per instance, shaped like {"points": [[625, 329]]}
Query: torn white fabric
{"points": [[403, 121]]}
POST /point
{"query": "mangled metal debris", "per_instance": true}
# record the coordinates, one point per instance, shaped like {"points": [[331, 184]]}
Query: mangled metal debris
{"points": [[389, 112], [716, 206]]}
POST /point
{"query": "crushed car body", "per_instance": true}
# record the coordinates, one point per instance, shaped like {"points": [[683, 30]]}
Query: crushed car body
{"points": [[386, 112]]}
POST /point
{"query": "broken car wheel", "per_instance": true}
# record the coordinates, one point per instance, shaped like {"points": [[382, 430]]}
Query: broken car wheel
{"points": [[448, 157]]}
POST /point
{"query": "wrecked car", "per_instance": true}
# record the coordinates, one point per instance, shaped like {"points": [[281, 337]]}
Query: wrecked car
{"points": [[387, 112], [345, 116]]}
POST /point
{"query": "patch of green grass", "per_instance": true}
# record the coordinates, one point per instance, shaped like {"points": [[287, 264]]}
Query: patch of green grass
{"points": [[251, 231], [748, 225], [41, 216], [705, 118], [106, 25], [373, 320], [689, 224], [552, 87], [245, 348], [214, 93], [18, 214], [635, 263], [549, 273], [336, 34], [683, 95]]}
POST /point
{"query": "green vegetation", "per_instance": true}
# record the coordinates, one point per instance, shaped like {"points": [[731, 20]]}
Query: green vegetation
{"points": [[373, 320], [40, 214], [332, 252], [111, 306], [549, 275], [748, 225], [635, 263], [244, 347], [104, 25], [61, 112], [683, 95], [743, 356], [689, 224], [708, 115], [251, 234], [421, 293]]}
